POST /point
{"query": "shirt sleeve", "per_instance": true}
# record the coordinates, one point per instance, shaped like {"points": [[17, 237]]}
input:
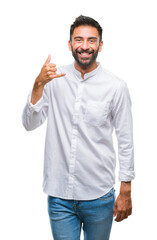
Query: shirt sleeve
{"points": [[34, 115], [122, 120]]}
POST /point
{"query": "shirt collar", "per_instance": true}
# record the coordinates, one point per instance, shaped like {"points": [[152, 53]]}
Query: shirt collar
{"points": [[87, 75]]}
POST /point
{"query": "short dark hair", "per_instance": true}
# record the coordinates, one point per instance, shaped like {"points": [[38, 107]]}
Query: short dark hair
{"points": [[86, 21]]}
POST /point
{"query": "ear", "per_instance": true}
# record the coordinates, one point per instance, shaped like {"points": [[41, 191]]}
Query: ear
{"points": [[100, 46], [69, 44]]}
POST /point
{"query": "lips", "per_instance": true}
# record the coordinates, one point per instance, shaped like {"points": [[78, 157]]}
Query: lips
{"points": [[84, 54]]}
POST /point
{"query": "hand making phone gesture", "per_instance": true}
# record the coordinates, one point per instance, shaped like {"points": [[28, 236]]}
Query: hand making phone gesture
{"points": [[48, 73]]}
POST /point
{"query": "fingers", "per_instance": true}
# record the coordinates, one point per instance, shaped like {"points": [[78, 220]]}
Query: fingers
{"points": [[122, 209], [47, 63], [115, 210], [121, 216], [52, 65], [48, 59], [129, 212], [51, 74], [118, 214], [49, 71], [59, 75]]}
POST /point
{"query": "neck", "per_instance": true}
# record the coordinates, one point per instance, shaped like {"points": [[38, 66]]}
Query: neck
{"points": [[83, 71]]}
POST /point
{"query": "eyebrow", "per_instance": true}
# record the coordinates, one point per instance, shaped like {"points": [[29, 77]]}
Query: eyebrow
{"points": [[88, 38]]}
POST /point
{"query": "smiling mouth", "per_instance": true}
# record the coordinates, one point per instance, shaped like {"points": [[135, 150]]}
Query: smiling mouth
{"points": [[84, 54]]}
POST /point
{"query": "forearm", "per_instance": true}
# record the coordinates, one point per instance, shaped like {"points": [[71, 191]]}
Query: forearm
{"points": [[125, 189], [37, 91]]}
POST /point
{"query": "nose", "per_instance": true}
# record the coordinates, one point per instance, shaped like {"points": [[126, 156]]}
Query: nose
{"points": [[84, 45]]}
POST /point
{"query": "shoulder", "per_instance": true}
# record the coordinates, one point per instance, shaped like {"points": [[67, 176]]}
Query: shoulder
{"points": [[114, 81], [112, 77]]}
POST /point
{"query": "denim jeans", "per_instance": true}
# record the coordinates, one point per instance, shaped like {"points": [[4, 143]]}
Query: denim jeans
{"points": [[68, 216]]}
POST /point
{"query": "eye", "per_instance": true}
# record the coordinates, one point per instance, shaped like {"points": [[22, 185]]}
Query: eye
{"points": [[92, 40], [78, 40]]}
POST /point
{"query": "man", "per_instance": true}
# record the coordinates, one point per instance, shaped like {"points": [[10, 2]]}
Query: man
{"points": [[83, 103]]}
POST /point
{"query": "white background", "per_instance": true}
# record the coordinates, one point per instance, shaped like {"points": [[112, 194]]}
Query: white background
{"points": [[32, 29]]}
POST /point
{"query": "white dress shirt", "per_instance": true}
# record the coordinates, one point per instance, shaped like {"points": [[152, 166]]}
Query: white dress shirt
{"points": [[80, 159]]}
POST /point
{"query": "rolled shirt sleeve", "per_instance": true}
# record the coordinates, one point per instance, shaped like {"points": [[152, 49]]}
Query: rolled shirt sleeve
{"points": [[122, 120], [35, 114]]}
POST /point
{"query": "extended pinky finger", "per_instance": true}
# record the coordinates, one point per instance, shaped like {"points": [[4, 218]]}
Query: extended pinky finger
{"points": [[59, 75]]}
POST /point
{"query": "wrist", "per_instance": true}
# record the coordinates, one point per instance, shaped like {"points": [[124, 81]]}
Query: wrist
{"points": [[39, 84], [125, 188], [37, 91]]}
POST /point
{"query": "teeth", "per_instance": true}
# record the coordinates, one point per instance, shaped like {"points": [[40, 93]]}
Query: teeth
{"points": [[84, 54]]}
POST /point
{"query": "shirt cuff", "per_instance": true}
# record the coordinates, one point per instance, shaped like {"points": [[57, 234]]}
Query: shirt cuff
{"points": [[126, 176], [34, 107]]}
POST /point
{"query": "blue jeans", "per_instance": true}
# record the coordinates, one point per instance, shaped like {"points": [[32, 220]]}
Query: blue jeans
{"points": [[68, 216]]}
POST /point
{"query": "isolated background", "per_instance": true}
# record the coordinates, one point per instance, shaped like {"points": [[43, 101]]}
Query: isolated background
{"points": [[32, 29]]}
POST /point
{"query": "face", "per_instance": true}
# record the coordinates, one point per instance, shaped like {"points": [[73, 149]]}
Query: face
{"points": [[85, 46]]}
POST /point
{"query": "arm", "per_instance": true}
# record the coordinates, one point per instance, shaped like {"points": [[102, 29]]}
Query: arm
{"points": [[48, 72], [35, 111], [122, 119]]}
